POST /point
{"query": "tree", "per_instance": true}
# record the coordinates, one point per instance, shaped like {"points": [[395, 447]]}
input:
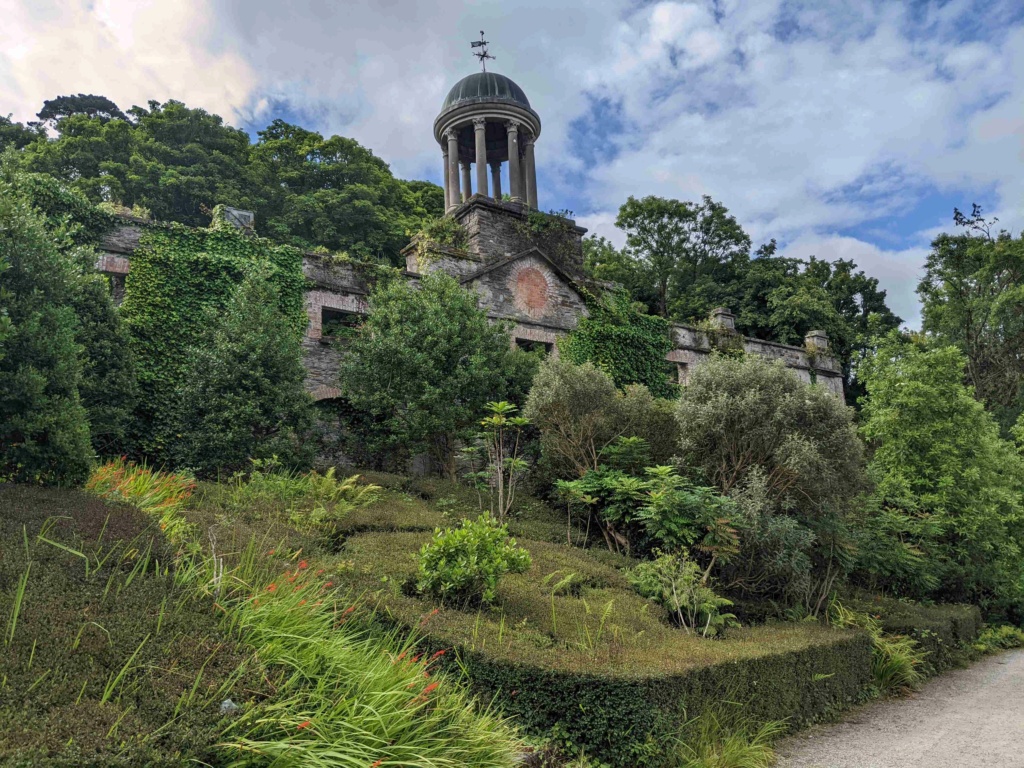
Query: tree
{"points": [[789, 454], [107, 388], [937, 458], [16, 135], [684, 250], [336, 193], [244, 398], [603, 261], [90, 105], [971, 295], [425, 363], [44, 434], [580, 414]]}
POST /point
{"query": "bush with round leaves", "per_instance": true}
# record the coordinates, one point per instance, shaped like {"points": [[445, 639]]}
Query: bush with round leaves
{"points": [[462, 566]]}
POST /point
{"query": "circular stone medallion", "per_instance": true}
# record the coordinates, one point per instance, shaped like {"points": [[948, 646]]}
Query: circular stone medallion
{"points": [[530, 289]]}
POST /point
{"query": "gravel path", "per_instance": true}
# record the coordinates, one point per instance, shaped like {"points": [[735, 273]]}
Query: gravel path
{"points": [[967, 718]]}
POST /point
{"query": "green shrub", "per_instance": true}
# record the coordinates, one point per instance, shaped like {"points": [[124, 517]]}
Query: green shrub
{"points": [[676, 582], [112, 660], [999, 638], [896, 660], [723, 738], [580, 413], [463, 565]]}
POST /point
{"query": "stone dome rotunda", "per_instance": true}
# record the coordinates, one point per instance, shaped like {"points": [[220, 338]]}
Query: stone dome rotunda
{"points": [[487, 121]]}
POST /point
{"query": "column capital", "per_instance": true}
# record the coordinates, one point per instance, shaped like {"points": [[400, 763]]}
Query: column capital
{"points": [[451, 133], [527, 139], [512, 125], [479, 123]]}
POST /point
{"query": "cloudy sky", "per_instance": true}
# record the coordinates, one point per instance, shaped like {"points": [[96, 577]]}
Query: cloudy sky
{"points": [[843, 129]]}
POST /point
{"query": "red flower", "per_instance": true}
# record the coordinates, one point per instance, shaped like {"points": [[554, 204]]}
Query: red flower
{"points": [[272, 588], [303, 565], [376, 763], [429, 688], [306, 724], [440, 653]]}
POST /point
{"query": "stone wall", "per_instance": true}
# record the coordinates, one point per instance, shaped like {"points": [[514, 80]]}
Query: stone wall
{"points": [[531, 279]]}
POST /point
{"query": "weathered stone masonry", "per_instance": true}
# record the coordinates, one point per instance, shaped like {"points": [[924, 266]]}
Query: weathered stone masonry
{"points": [[517, 278]]}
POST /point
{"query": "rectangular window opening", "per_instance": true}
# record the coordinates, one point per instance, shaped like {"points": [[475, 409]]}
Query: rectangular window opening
{"points": [[541, 347], [337, 326]]}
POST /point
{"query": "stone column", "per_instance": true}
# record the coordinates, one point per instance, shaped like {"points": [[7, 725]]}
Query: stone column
{"points": [[447, 191], [480, 133], [530, 173], [496, 179], [514, 176], [467, 183], [453, 168]]}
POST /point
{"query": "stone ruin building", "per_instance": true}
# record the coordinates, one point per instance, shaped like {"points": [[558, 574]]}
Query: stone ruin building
{"points": [[526, 267]]}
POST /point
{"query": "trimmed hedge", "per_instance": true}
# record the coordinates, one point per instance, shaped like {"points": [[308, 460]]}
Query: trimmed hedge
{"points": [[619, 685], [626, 721], [944, 631]]}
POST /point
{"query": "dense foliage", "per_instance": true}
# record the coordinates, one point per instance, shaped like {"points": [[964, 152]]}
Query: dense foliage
{"points": [[44, 431], [178, 276], [627, 343], [949, 517], [971, 295], [243, 396], [425, 363], [463, 565], [581, 413], [178, 163]]}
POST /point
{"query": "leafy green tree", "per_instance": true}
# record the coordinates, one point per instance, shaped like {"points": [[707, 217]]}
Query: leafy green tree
{"points": [[581, 414], [335, 193], [971, 295], [44, 433], [782, 299], [108, 387], [603, 261], [90, 105], [791, 453], [624, 341], [425, 363], [16, 135], [244, 397], [937, 457], [686, 250]]}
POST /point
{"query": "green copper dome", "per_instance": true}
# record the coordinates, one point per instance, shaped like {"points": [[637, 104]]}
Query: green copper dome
{"points": [[485, 86]]}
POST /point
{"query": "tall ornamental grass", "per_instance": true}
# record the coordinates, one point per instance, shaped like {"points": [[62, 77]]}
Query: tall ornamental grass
{"points": [[345, 694]]}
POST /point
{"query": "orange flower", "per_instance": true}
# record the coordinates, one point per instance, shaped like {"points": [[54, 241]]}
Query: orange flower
{"points": [[303, 565], [438, 654], [272, 588], [376, 763], [305, 724], [429, 688]]}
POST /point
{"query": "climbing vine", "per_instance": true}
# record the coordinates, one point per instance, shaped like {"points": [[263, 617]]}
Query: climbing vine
{"points": [[627, 343], [440, 231], [178, 276]]}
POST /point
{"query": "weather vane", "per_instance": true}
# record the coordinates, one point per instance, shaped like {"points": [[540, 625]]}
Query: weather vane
{"points": [[483, 55]]}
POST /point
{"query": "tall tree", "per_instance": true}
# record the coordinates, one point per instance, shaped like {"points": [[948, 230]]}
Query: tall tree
{"points": [[244, 396], [425, 363], [971, 295], [44, 434], [90, 105], [685, 249]]}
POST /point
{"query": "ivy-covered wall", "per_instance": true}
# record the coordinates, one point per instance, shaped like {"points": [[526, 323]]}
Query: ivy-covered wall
{"points": [[179, 275]]}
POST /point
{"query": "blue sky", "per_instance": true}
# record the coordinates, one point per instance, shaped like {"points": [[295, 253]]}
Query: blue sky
{"points": [[843, 129]]}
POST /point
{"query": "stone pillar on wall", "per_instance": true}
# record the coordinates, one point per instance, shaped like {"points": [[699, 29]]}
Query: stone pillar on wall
{"points": [[480, 137], [514, 175], [467, 185], [496, 180], [724, 319], [447, 190], [530, 173], [453, 168], [817, 340]]}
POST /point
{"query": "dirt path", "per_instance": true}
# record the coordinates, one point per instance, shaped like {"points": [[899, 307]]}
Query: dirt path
{"points": [[967, 718]]}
